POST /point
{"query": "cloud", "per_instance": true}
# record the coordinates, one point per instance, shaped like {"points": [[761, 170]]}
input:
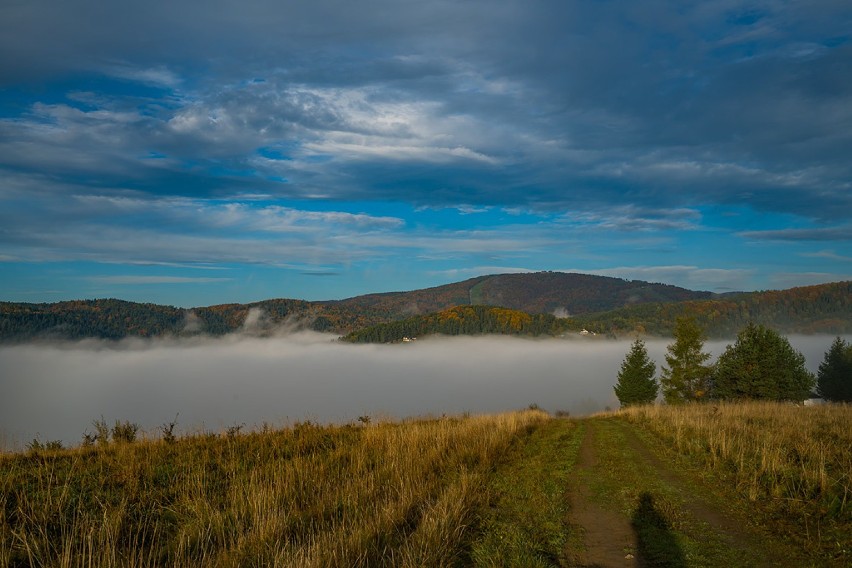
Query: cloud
{"points": [[842, 233], [157, 76], [62, 388], [828, 254], [265, 133], [474, 271], [214, 383], [632, 217], [691, 277], [784, 280], [136, 279], [674, 105]]}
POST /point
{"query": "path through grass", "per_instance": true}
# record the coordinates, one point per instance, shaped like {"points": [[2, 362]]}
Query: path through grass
{"points": [[517, 489]]}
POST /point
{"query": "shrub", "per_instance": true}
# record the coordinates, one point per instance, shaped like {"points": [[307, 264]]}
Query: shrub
{"points": [[124, 432], [168, 430]]}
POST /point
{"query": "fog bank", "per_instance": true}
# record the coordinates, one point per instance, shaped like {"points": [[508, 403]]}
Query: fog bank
{"points": [[55, 391]]}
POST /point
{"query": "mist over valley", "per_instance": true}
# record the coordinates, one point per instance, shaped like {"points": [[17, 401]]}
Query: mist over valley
{"points": [[54, 391]]}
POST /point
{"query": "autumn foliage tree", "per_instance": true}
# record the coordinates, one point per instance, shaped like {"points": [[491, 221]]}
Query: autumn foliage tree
{"points": [[761, 364], [687, 376], [834, 380], [636, 384]]}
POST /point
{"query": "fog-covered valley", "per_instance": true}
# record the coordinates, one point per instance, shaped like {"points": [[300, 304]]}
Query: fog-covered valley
{"points": [[55, 391]]}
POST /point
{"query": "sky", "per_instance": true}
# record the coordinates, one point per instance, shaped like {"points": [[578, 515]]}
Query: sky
{"points": [[191, 153]]}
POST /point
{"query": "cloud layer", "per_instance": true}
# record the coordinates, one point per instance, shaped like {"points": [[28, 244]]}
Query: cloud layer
{"points": [[55, 392], [317, 135]]}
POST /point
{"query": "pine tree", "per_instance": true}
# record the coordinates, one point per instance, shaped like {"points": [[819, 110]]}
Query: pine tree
{"points": [[636, 384], [687, 377], [834, 380], [761, 364]]}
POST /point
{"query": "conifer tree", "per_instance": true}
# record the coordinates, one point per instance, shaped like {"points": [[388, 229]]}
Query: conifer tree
{"points": [[834, 380], [687, 377], [762, 364], [636, 384]]}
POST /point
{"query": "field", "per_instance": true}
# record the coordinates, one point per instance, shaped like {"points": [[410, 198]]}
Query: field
{"points": [[654, 486], [793, 463]]}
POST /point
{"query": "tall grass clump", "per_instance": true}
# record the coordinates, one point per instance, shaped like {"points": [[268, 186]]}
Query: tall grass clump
{"points": [[796, 460], [378, 494]]}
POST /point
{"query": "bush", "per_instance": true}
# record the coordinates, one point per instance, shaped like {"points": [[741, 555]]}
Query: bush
{"points": [[168, 431], [124, 432], [101, 435]]}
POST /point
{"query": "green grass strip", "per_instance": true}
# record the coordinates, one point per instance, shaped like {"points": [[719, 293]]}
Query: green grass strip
{"points": [[526, 523]]}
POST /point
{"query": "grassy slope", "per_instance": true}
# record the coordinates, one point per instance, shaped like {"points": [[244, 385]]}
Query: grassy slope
{"points": [[402, 494], [790, 467], [486, 491]]}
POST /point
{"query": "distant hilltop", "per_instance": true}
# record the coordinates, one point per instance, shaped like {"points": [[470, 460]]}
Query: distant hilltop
{"points": [[552, 303]]}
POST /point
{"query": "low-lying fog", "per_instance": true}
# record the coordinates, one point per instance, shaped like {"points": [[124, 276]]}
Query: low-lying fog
{"points": [[56, 391]]}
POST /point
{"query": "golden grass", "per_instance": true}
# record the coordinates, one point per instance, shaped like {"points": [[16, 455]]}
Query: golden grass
{"points": [[796, 461], [389, 494]]}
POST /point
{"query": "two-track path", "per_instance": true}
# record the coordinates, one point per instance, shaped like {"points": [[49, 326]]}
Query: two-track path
{"points": [[634, 507]]}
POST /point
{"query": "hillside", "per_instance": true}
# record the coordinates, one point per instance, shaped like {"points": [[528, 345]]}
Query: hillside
{"points": [[598, 303], [536, 293], [461, 320], [825, 308], [689, 485], [542, 292]]}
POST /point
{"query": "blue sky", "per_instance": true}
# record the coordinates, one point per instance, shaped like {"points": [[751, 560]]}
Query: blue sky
{"points": [[194, 153]]}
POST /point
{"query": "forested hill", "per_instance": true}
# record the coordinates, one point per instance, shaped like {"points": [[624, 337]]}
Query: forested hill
{"points": [[542, 292], [105, 319], [606, 305], [461, 320], [825, 308], [536, 293]]}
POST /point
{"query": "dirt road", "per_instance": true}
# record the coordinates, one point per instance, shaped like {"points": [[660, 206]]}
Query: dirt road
{"points": [[634, 506]]}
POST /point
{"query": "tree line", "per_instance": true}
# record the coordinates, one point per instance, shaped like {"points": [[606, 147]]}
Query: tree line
{"points": [[760, 365], [461, 320], [824, 308]]}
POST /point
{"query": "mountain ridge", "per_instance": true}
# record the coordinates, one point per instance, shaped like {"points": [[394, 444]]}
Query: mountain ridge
{"points": [[600, 303]]}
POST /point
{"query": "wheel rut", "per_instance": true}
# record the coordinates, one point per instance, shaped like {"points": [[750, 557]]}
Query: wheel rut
{"points": [[651, 513], [608, 537]]}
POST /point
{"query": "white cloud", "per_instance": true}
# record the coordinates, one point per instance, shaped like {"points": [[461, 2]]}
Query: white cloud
{"points": [[837, 233], [636, 218], [136, 279], [691, 277], [783, 280], [464, 273], [160, 76], [827, 254]]}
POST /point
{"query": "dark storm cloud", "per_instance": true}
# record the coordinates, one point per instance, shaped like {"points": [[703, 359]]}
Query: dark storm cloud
{"points": [[550, 105]]}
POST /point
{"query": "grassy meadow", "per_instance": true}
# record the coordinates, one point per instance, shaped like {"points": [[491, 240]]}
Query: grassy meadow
{"points": [[450, 491], [791, 464], [393, 494]]}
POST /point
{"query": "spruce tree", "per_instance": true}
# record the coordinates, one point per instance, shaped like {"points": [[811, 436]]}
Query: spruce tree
{"points": [[687, 377], [834, 380], [636, 384], [762, 365]]}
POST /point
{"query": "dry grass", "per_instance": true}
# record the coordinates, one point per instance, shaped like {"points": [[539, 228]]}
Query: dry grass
{"points": [[389, 494], [794, 461]]}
